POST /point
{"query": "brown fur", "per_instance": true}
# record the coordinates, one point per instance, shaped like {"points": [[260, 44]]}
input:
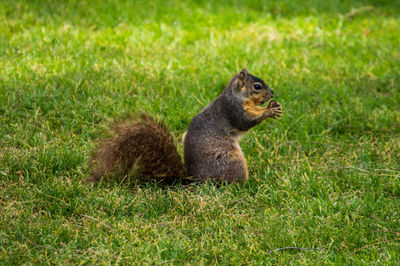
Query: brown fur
{"points": [[211, 144], [140, 142]]}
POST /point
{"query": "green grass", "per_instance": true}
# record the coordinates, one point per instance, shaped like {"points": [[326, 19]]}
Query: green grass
{"points": [[325, 176]]}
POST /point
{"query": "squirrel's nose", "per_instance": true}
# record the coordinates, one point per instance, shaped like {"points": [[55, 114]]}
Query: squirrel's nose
{"points": [[272, 92]]}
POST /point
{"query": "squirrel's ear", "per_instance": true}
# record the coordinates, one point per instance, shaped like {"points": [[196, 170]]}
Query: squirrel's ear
{"points": [[243, 74]]}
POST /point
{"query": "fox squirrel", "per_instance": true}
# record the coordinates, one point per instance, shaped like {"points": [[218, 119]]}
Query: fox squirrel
{"points": [[211, 143]]}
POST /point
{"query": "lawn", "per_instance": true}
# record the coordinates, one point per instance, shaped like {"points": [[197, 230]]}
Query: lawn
{"points": [[324, 178]]}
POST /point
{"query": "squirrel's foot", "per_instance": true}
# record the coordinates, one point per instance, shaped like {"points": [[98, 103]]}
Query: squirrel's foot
{"points": [[274, 109]]}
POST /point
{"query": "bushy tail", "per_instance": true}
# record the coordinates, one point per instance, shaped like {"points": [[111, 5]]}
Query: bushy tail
{"points": [[140, 143]]}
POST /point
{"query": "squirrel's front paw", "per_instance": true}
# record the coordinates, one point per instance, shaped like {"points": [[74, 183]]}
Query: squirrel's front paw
{"points": [[275, 109]]}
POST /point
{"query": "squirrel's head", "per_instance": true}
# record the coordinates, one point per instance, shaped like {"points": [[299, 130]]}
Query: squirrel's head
{"points": [[250, 88]]}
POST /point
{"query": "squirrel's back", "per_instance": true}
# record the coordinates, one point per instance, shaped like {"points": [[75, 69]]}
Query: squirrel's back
{"points": [[211, 145]]}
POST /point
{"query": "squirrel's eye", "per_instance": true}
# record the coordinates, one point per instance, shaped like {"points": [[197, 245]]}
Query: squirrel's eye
{"points": [[257, 86]]}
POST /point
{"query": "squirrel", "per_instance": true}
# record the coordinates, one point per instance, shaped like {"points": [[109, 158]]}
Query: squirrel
{"points": [[211, 144]]}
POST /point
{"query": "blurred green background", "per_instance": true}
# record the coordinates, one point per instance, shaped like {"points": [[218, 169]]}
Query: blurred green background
{"points": [[325, 176]]}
